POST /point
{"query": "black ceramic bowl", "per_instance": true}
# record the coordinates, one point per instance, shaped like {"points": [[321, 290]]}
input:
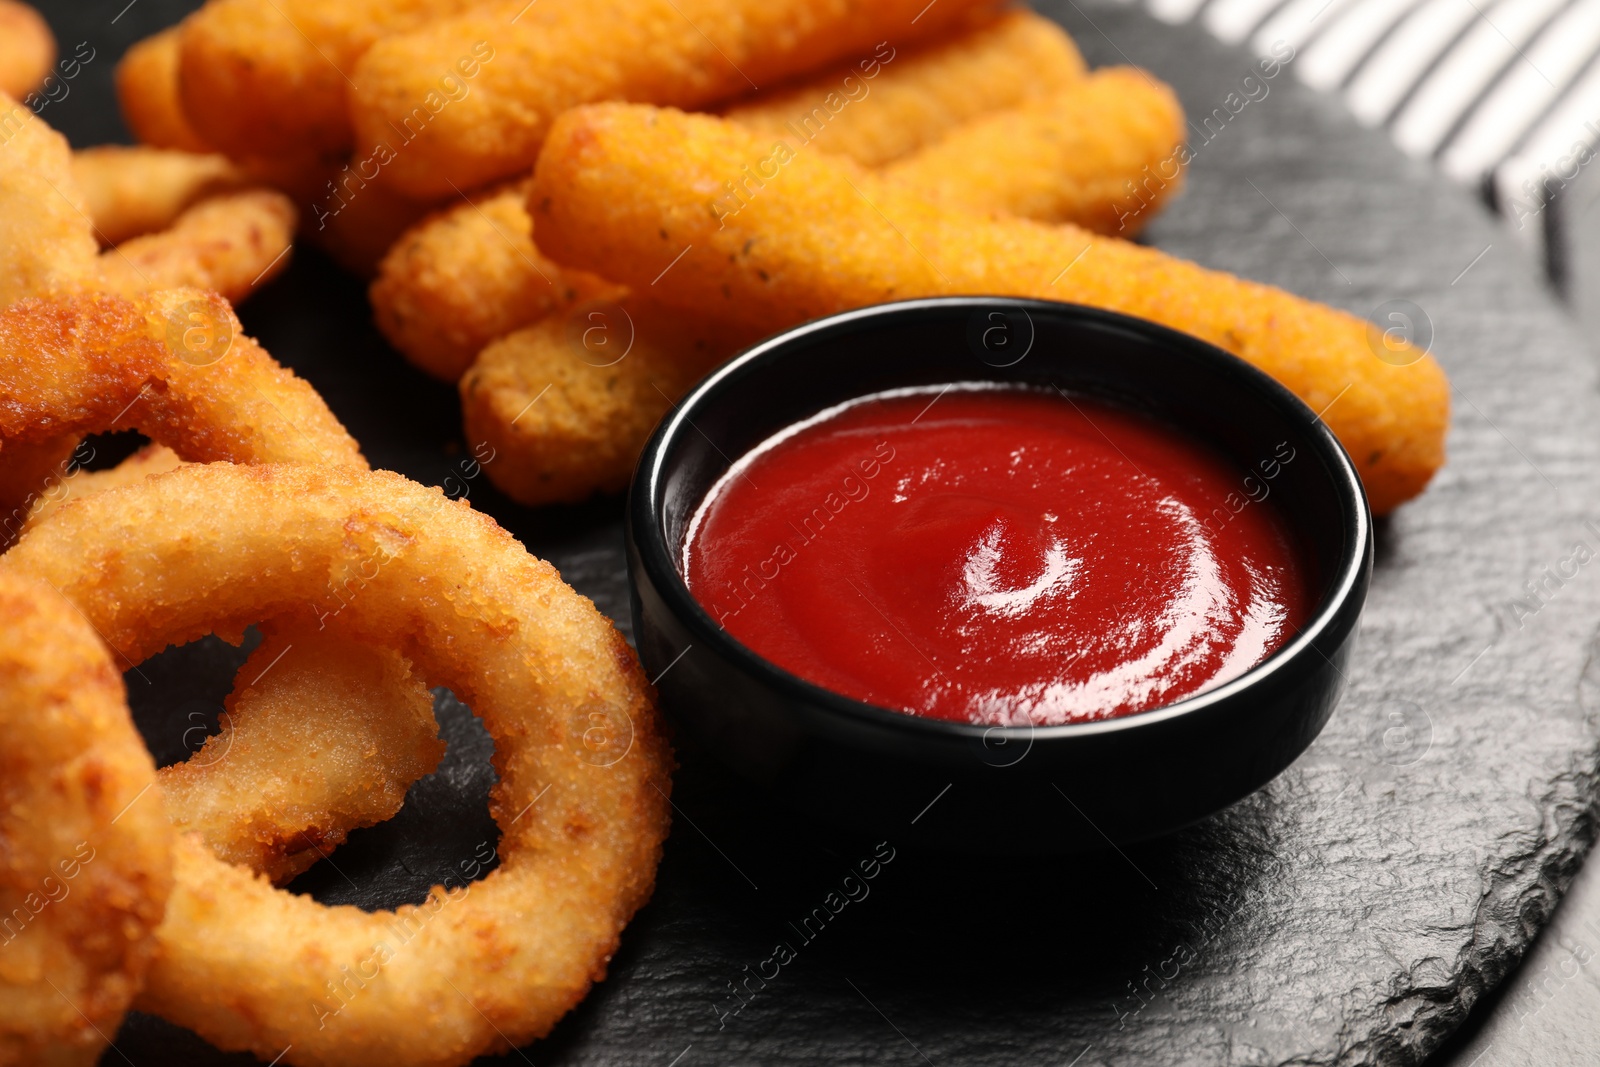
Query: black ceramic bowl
{"points": [[1034, 789]]}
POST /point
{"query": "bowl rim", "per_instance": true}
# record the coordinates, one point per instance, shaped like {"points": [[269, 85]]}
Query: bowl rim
{"points": [[646, 496]]}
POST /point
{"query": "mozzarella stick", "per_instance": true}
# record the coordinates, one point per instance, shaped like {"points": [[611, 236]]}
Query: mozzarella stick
{"points": [[472, 273], [1103, 154], [233, 244], [147, 92], [131, 191], [530, 62], [265, 77], [567, 403], [27, 48], [878, 110], [467, 275], [358, 230], [627, 190]]}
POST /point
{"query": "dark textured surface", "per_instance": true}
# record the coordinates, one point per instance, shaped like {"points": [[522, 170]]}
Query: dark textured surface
{"points": [[1349, 913]]}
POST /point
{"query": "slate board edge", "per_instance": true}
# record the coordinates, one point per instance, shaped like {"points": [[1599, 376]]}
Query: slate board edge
{"points": [[1515, 908]]}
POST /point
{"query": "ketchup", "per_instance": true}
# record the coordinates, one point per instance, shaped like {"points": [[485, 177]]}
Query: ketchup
{"points": [[998, 555]]}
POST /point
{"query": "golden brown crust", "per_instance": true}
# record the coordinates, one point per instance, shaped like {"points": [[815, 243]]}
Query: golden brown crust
{"points": [[265, 77], [44, 225], [173, 364], [321, 735], [27, 48], [583, 764], [688, 53], [467, 275], [232, 243], [884, 107], [85, 847], [72, 482], [1104, 154], [147, 90], [621, 189], [130, 190], [565, 418]]}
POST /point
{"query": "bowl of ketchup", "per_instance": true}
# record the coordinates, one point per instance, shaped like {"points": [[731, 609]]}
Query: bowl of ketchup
{"points": [[997, 574]]}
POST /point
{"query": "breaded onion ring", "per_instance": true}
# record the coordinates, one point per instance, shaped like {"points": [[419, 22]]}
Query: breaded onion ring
{"points": [[325, 741], [134, 189], [85, 847], [44, 228], [173, 364], [321, 735], [76, 483], [233, 243], [581, 802]]}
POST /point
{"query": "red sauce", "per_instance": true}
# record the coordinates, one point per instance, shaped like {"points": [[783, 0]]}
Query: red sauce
{"points": [[998, 556]]}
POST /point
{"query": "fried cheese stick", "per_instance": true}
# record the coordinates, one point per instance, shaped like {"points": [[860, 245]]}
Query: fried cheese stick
{"points": [[623, 190], [147, 92], [1102, 153], [918, 94], [567, 402], [532, 62], [472, 273], [269, 77]]}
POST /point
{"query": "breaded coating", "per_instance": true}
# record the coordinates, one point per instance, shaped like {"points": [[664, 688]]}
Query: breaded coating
{"points": [[134, 190], [27, 48], [32, 473], [174, 364], [1103, 154], [583, 766], [358, 230], [44, 227], [472, 273], [321, 735], [72, 482], [232, 243], [147, 92], [565, 409], [468, 100], [623, 189], [265, 77], [85, 846], [467, 275], [878, 109]]}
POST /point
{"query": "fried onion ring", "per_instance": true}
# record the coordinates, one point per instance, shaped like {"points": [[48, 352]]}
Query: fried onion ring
{"points": [[321, 735], [85, 848], [95, 363], [581, 802], [174, 364]]}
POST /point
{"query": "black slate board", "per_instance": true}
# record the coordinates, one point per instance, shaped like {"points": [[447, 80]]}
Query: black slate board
{"points": [[1349, 913]]}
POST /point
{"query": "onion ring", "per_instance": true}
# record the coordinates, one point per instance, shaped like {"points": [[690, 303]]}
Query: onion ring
{"points": [[250, 967], [90, 364], [85, 855], [173, 364], [321, 735]]}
